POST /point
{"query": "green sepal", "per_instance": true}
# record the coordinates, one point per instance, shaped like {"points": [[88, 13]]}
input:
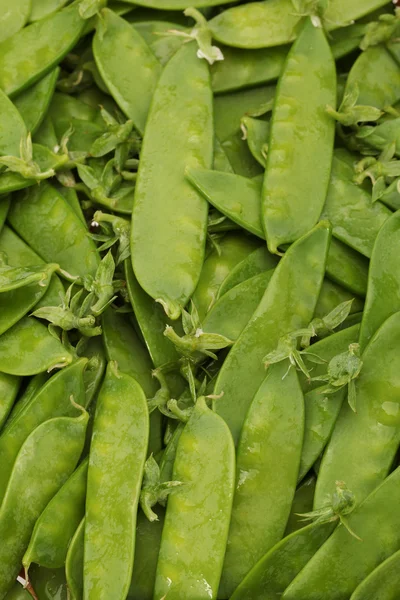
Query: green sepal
{"points": [[12, 278], [24, 164], [90, 8], [327, 323], [153, 489], [381, 31], [351, 113], [101, 286]]}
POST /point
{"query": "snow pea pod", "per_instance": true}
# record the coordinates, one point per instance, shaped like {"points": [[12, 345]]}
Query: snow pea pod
{"points": [[51, 535], [383, 293], [9, 386], [33, 103], [49, 225], [257, 133], [34, 385], [17, 592], [382, 582], [49, 583], [382, 135], [347, 267], [74, 564], [239, 155], [199, 509], [117, 453], [48, 41], [115, 44], [5, 202], [285, 307], [181, 110], [301, 134], [344, 561], [13, 17], [43, 8], [52, 400], [275, 22], [28, 348], [256, 262], [265, 484], [12, 127], [302, 503], [371, 435], [45, 461], [179, 4]]}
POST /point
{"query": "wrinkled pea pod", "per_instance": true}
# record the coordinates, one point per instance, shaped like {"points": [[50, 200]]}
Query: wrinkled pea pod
{"points": [[121, 414], [304, 266], [9, 386], [49, 455], [33, 103], [205, 461], [344, 561], [382, 582], [51, 535], [12, 19], [181, 110]]}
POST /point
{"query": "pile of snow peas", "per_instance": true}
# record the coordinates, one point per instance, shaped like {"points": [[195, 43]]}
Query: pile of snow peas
{"points": [[199, 300]]}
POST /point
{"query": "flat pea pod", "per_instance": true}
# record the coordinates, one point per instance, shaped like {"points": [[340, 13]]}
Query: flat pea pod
{"points": [[256, 132], [285, 307], [27, 348], [44, 8], [382, 582], [265, 484], [278, 567], [371, 435], [48, 40], [199, 509], [178, 4], [133, 96], [12, 127], [232, 249], [13, 18], [117, 454], [302, 503], [67, 107], [49, 455], [377, 77], [33, 102], [49, 225], [71, 196], [74, 563], [344, 561], [274, 22], [9, 386], [256, 262], [383, 292], [239, 155], [17, 592], [33, 386], [5, 202], [301, 134], [221, 161], [52, 400], [83, 134], [95, 368], [181, 110], [48, 583], [168, 457], [51, 535], [347, 267]]}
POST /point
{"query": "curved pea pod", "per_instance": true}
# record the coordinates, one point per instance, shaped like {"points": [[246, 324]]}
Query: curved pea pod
{"points": [[12, 127], [278, 567], [302, 503], [344, 561], [256, 132], [181, 118], [44, 219], [33, 103], [28, 348], [232, 249], [383, 293], [51, 535], [265, 484], [51, 400], [14, 17], [117, 454], [9, 386], [74, 563], [117, 44], [44, 8], [48, 40], [256, 262], [271, 23], [285, 307], [382, 582], [45, 461], [371, 435], [292, 200], [205, 464]]}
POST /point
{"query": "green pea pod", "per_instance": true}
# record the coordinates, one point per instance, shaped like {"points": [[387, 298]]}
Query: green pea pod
{"points": [[239, 155], [181, 112], [256, 133], [382, 299], [114, 34], [12, 127], [331, 295], [95, 368], [9, 386], [121, 414], [347, 267], [382, 582], [205, 460], [72, 198], [44, 8], [17, 592], [28, 348], [49, 583], [168, 457], [277, 314], [5, 202], [34, 385], [275, 22], [344, 561], [13, 18], [272, 574], [382, 135], [230, 251], [46, 460], [51, 535], [372, 434], [265, 484], [67, 107], [48, 41], [221, 161], [51, 400], [83, 134], [178, 4], [122, 344], [74, 564], [292, 201], [256, 262], [49, 225], [33, 103], [302, 503]]}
